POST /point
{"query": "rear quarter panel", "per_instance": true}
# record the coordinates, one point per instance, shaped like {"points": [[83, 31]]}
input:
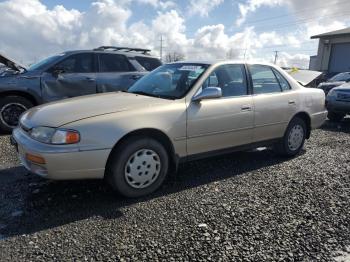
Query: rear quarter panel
{"points": [[312, 101]]}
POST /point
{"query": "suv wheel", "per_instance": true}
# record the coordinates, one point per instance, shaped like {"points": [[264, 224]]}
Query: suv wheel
{"points": [[11, 108], [294, 138], [138, 167], [335, 117]]}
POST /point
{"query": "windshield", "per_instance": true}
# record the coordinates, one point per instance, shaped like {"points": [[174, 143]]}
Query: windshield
{"points": [[171, 81], [43, 63], [341, 77]]}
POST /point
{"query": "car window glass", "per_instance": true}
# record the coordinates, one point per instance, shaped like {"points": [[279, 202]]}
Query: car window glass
{"points": [[79, 63], [230, 78], [148, 63], [282, 81], [264, 80], [114, 63]]}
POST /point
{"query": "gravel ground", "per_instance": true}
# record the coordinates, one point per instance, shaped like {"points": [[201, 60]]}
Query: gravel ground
{"points": [[249, 206]]}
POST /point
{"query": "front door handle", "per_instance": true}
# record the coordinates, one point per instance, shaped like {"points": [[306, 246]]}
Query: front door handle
{"points": [[90, 79], [246, 108], [135, 77]]}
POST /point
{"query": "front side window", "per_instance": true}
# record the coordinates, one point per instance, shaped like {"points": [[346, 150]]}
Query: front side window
{"points": [[264, 80], [230, 78], [148, 63], [114, 63], [171, 81], [79, 63]]}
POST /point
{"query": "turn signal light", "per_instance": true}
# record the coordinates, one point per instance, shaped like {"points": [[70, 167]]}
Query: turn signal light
{"points": [[35, 159]]}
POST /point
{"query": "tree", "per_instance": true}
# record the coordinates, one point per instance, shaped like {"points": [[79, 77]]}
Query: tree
{"points": [[174, 56]]}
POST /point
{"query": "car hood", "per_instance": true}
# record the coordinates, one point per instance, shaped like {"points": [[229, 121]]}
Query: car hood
{"points": [[70, 110], [344, 87], [10, 63], [335, 83], [304, 77]]}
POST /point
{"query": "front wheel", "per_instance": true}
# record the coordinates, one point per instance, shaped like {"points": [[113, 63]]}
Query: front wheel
{"points": [[138, 167], [11, 108], [294, 138]]}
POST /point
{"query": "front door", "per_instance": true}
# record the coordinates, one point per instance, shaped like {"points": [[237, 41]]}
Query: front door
{"points": [[220, 123], [73, 76]]}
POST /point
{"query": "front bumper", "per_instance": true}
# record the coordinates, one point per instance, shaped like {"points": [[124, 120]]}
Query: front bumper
{"points": [[62, 162], [338, 106]]}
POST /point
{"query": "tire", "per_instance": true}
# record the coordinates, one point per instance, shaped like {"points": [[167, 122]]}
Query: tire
{"points": [[11, 107], [335, 117], [293, 139], [137, 159]]}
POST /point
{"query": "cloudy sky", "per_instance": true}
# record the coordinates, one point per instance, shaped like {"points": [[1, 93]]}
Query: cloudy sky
{"points": [[31, 30]]}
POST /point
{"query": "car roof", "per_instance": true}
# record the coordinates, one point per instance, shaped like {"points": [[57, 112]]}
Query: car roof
{"points": [[126, 53], [222, 61]]}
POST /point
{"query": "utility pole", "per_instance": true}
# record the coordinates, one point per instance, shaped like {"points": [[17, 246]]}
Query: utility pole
{"points": [[161, 48], [276, 56]]}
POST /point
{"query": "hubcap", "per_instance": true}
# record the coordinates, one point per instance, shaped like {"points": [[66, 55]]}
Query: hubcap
{"points": [[142, 168], [10, 113], [296, 137]]}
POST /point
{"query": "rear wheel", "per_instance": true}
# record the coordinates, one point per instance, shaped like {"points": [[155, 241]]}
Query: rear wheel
{"points": [[335, 117], [138, 167], [294, 138], [11, 108]]}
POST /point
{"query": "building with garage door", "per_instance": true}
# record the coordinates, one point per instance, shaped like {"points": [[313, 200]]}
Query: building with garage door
{"points": [[333, 54]]}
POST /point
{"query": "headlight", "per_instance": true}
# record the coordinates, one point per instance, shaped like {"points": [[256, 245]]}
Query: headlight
{"points": [[56, 136], [332, 92]]}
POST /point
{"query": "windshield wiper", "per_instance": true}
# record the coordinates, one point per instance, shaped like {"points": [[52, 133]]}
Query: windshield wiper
{"points": [[153, 95]]}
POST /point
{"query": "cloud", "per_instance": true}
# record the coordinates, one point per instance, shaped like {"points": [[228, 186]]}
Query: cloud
{"points": [[158, 3], [252, 5], [37, 32], [203, 7]]}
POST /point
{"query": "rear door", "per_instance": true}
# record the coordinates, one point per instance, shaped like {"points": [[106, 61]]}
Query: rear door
{"points": [[115, 73], [148, 63], [76, 77], [275, 102]]}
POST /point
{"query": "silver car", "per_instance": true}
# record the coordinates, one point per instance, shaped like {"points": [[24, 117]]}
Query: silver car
{"points": [[179, 112]]}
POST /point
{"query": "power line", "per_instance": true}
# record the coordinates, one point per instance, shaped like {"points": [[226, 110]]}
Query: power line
{"points": [[295, 13]]}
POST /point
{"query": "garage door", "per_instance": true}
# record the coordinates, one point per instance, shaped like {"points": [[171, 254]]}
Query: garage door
{"points": [[340, 58]]}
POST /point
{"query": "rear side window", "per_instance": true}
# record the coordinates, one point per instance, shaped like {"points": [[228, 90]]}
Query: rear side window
{"points": [[264, 80], [282, 81], [79, 63], [114, 63], [148, 63]]}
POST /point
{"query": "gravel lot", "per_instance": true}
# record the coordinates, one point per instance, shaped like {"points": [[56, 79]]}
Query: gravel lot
{"points": [[250, 206]]}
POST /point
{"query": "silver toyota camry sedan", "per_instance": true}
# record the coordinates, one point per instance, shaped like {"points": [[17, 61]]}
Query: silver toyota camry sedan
{"points": [[179, 112]]}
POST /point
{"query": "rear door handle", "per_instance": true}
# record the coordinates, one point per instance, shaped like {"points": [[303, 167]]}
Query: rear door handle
{"points": [[246, 108], [291, 102]]}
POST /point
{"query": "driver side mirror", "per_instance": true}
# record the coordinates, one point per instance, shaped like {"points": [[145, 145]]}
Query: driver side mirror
{"points": [[57, 70], [208, 93]]}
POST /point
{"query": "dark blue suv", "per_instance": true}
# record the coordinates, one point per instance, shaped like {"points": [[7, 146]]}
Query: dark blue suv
{"points": [[69, 74]]}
